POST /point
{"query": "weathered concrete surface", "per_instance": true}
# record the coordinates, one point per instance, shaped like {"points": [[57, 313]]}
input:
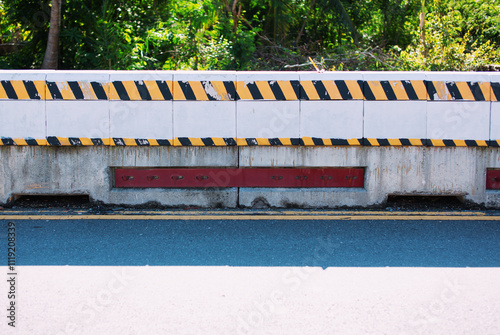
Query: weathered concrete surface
{"points": [[452, 171]]}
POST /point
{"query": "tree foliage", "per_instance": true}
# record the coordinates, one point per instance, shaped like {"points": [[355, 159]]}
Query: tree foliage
{"points": [[255, 34]]}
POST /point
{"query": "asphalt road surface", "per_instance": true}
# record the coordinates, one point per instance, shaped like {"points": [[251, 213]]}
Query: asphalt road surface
{"points": [[251, 272]]}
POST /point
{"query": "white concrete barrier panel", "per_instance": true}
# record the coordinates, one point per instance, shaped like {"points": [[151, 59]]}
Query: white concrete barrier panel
{"points": [[495, 111], [395, 108], [331, 108], [22, 107], [141, 108], [268, 108], [204, 108]]}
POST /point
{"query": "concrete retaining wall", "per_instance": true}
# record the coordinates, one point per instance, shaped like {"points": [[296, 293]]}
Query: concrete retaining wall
{"points": [[414, 133]]}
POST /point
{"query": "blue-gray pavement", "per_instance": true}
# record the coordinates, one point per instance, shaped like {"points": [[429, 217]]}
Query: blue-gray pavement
{"points": [[256, 243]]}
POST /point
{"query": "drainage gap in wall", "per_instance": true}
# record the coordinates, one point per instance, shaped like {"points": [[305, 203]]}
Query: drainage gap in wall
{"points": [[51, 201], [404, 202]]}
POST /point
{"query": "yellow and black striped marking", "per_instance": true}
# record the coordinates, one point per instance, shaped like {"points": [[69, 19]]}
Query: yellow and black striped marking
{"points": [[204, 90], [495, 91], [395, 90], [451, 90], [279, 90], [269, 141], [376, 142], [22, 90], [76, 90], [457, 143], [204, 142], [331, 90], [142, 142], [76, 141], [22, 141], [494, 143], [315, 141], [147, 90]]}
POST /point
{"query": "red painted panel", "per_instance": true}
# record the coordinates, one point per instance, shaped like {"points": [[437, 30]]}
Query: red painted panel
{"points": [[245, 177], [492, 179]]}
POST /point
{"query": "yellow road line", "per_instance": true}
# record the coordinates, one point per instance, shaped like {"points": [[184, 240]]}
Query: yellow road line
{"points": [[253, 217]]}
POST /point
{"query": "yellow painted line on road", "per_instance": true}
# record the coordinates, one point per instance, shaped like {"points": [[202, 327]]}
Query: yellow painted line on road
{"points": [[255, 217]]}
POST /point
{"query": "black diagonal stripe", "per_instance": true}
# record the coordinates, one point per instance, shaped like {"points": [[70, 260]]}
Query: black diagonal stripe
{"points": [[52, 140], [303, 94], [405, 141], [185, 141], [97, 141], [230, 141], [99, 91], [389, 92], [449, 143], [75, 141], [251, 141], [476, 91], [496, 90], [343, 89], [119, 141], [471, 143], [143, 90], [454, 91], [208, 141], [31, 141], [230, 89], [9, 89], [142, 142], [209, 96], [493, 144], [254, 91], [296, 87], [367, 91], [383, 142], [278, 93], [339, 141], [165, 91], [318, 141], [77, 91], [164, 142], [120, 89], [275, 141], [431, 89], [321, 90], [31, 89], [410, 90], [8, 141], [296, 141], [366, 142], [54, 91], [187, 90]]}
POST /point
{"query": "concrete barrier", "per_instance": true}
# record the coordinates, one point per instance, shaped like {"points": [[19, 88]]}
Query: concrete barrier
{"points": [[412, 133]]}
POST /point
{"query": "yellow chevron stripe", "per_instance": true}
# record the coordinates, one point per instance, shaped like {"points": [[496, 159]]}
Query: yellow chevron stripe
{"points": [[481, 143], [66, 92], [465, 91], [220, 89], [377, 90], [153, 90], [20, 89], [263, 141], [460, 143], [64, 141], [307, 141], [198, 90], [130, 142], [355, 90], [394, 141], [86, 141], [441, 91], [420, 89], [178, 94], [41, 88], [218, 141], [20, 141], [265, 90], [353, 141], [399, 90], [373, 142], [241, 142], [438, 143], [287, 89], [243, 91], [310, 90], [153, 142], [327, 141], [3, 94], [486, 89], [285, 141], [131, 89], [332, 90], [113, 95], [87, 90], [415, 141]]}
